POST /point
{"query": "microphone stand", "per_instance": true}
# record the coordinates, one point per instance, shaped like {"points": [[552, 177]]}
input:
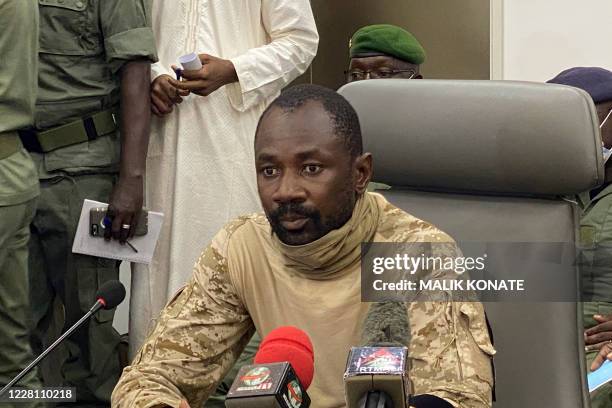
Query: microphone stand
{"points": [[97, 306], [376, 399]]}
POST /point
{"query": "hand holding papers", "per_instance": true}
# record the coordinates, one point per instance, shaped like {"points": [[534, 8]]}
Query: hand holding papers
{"points": [[140, 249]]}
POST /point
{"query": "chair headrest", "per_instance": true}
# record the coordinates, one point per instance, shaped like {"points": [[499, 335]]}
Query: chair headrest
{"points": [[492, 137]]}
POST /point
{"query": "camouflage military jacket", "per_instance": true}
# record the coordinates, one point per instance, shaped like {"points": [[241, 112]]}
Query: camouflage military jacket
{"points": [[242, 282]]}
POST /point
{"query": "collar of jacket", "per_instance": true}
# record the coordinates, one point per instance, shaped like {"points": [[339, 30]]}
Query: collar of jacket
{"points": [[333, 254]]}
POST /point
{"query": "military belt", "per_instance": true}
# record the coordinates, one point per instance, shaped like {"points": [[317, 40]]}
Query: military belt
{"points": [[9, 144], [82, 130]]}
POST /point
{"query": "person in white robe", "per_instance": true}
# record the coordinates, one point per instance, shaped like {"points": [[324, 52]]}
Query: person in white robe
{"points": [[200, 166]]}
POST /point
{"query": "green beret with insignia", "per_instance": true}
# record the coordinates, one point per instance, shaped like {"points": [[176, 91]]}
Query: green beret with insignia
{"points": [[386, 39]]}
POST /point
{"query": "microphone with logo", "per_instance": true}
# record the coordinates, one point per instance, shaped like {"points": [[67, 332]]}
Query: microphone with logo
{"points": [[108, 297], [375, 374], [283, 371]]}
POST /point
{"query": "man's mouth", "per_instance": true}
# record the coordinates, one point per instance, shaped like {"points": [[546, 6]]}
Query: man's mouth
{"points": [[293, 222]]}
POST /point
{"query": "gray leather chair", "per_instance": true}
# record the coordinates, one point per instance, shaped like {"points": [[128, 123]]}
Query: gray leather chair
{"points": [[490, 161]]}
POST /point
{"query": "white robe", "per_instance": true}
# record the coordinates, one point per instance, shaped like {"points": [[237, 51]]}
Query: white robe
{"points": [[200, 164]]}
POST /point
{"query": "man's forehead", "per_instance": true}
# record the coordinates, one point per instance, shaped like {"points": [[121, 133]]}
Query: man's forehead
{"points": [[302, 151], [603, 108], [296, 133], [308, 121], [604, 105], [297, 144], [374, 59]]}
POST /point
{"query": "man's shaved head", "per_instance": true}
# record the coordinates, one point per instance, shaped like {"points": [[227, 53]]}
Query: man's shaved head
{"points": [[340, 111], [310, 168]]}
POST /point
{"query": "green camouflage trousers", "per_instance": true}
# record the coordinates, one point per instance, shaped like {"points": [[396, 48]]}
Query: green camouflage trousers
{"points": [[89, 359], [15, 352], [602, 398], [218, 399]]}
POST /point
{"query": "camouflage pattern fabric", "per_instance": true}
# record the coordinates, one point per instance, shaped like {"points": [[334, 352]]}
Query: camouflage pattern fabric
{"points": [[242, 283]]}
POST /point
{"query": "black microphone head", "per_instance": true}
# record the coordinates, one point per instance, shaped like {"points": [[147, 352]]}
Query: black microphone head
{"points": [[111, 293], [386, 325]]}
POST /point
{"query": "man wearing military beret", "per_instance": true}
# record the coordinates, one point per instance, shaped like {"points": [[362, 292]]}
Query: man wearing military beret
{"points": [[384, 51], [89, 140], [596, 228]]}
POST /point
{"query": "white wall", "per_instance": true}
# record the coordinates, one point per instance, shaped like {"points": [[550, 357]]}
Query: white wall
{"points": [[121, 320], [540, 38]]}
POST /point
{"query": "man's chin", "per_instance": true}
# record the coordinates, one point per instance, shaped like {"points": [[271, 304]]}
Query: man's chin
{"points": [[294, 237]]}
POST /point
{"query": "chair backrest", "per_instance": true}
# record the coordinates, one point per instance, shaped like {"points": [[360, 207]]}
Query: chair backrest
{"points": [[491, 161]]}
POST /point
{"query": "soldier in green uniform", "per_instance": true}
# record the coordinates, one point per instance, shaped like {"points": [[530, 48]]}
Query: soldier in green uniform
{"points": [[89, 141], [18, 184], [384, 51], [596, 227]]}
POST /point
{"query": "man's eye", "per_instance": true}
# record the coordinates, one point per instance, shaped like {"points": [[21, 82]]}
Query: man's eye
{"points": [[385, 74], [270, 171], [311, 169], [357, 75]]}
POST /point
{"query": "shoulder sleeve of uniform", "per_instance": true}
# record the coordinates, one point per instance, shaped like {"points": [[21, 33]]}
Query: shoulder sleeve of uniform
{"points": [[197, 338], [450, 349], [451, 353], [398, 226], [126, 27]]}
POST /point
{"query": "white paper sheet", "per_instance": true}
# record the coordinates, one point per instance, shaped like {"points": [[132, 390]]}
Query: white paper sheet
{"points": [[600, 377], [86, 244]]}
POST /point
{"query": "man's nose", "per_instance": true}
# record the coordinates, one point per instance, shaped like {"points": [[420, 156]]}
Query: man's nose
{"points": [[289, 190]]}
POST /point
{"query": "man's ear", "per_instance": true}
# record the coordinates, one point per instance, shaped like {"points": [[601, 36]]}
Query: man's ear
{"points": [[363, 172]]}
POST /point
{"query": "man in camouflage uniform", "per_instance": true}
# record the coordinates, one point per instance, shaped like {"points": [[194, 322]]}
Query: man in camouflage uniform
{"points": [[299, 265], [18, 184], [89, 140], [596, 228], [376, 51]]}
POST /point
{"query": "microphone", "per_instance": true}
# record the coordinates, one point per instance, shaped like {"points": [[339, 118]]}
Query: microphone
{"points": [[386, 325], [109, 295], [375, 374], [283, 371]]}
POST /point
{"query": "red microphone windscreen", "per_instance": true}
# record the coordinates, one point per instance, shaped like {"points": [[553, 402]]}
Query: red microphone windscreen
{"points": [[292, 345]]}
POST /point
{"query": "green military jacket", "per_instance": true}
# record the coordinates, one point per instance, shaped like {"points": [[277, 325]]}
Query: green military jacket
{"points": [[596, 245], [18, 66], [83, 45]]}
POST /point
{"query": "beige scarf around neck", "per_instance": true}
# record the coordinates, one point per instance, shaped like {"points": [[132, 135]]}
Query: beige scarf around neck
{"points": [[333, 253]]}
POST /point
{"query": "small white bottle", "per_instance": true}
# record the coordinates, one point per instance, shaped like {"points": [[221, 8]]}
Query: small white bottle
{"points": [[191, 62]]}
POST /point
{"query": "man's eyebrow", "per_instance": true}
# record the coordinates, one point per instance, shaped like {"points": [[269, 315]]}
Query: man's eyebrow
{"points": [[305, 154], [265, 157], [309, 153]]}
